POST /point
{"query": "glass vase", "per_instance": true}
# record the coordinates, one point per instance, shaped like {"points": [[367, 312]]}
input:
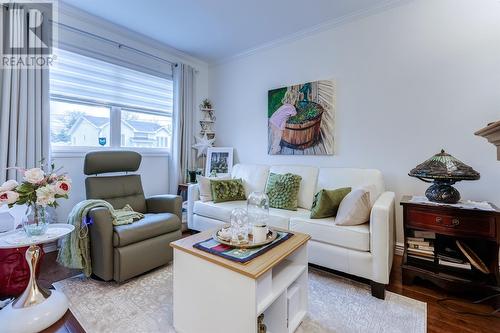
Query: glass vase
{"points": [[258, 209], [36, 221], [239, 226]]}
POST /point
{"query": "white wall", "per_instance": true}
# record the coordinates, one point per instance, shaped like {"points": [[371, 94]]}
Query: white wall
{"points": [[154, 168], [411, 80]]}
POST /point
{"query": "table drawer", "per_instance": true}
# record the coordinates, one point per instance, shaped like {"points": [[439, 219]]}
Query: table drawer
{"points": [[464, 225]]}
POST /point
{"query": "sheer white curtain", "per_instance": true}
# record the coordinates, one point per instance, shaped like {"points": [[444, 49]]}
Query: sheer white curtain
{"points": [[183, 157], [24, 111]]}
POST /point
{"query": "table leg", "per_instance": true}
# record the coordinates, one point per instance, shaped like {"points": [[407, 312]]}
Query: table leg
{"points": [[33, 294], [37, 308]]}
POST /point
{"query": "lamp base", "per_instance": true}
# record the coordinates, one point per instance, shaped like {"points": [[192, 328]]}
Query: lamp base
{"points": [[443, 192]]}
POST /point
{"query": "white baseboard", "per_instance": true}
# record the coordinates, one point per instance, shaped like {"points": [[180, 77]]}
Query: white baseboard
{"points": [[399, 249]]}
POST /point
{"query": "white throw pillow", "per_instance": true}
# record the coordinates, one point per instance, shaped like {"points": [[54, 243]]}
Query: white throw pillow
{"points": [[355, 208], [204, 186]]}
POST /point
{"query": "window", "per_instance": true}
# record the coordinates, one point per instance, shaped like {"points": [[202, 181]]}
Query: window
{"points": [[145, 130], [76, 124], [99, 104]]}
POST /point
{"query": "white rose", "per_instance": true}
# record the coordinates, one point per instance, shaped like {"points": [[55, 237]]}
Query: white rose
{"points": [[8, 185], [34, 176], [8, 197], [62, 187], [45, 196]]}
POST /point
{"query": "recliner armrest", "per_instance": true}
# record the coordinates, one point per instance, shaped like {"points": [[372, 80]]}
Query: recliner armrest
{"points": [[101, 243], [166, 203], [382, 236]]}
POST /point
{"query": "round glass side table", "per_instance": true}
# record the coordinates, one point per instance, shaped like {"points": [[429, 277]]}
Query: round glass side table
{"points": [[36, 308]]}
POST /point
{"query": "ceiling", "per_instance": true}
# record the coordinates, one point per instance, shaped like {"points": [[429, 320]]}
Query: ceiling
{"points": [[217, 29]]}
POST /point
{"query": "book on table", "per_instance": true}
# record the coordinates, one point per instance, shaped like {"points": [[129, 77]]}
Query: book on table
{"points": [[421, 245], [464, 265]]}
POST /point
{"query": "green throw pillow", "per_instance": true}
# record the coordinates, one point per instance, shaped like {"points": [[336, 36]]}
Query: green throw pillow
{"points": [[227, 190], [283, 190], [326, 202]]}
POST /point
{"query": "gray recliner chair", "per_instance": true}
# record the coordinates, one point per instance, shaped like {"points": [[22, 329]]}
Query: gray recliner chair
{"points": [[122, 252]]}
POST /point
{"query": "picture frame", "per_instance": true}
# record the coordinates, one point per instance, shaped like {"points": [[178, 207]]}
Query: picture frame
{"points": [[220, 160]]}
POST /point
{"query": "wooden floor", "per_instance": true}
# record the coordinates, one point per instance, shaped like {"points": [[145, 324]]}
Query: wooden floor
{"points": [[439, 319]]}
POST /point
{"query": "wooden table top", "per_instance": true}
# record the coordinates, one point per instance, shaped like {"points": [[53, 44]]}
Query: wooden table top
{"points": [[255, 267]]}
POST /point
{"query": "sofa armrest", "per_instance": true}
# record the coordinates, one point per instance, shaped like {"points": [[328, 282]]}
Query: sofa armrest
{"points": [[382, 237], [193, 195], [166, 203], [101, 243]]}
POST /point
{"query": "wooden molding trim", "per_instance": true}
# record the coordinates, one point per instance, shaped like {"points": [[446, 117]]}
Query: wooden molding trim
{"points": [[492, 134]]}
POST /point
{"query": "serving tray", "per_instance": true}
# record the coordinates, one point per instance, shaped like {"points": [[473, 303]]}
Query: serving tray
{"points": [[271, 236]]}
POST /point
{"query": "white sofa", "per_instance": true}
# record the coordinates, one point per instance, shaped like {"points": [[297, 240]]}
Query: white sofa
{"points": [[363, 250]]}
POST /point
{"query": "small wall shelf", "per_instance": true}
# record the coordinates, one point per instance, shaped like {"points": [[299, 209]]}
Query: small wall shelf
{"points": [[492, 134]]}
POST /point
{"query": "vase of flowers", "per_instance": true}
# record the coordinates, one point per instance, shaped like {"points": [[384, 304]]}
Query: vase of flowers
{"points": [[40, 189]]}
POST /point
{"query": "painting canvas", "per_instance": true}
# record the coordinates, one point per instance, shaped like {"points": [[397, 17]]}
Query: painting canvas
{"points": [[301, 119]]}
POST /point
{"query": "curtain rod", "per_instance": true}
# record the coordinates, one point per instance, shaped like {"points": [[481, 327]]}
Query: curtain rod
{"points": [[119, 45]]}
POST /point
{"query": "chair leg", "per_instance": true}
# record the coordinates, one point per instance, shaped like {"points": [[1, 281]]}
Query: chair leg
{"points": [[378, 289]]}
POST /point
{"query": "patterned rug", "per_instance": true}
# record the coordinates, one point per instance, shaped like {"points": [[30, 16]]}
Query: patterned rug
{"points": [[144, 304]]}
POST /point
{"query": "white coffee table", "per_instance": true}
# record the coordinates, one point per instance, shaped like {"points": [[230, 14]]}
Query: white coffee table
{"points": [[37, 308], [213, 294]]}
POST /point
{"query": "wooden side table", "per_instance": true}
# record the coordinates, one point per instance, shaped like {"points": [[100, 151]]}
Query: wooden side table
{"points": [[478, 229], [182, 190]]}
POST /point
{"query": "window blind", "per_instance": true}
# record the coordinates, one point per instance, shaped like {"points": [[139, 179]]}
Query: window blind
{"points": [[78, 77]]}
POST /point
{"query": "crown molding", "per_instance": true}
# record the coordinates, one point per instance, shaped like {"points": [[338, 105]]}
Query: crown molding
{"points": [[125, 35], [328, 25]]}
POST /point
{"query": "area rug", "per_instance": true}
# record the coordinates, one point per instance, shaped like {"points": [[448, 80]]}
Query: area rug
{"points": [[144, 304]]}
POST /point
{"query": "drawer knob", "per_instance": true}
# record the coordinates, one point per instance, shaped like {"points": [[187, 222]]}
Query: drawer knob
{"points": [[455, 222], [439, 220]]}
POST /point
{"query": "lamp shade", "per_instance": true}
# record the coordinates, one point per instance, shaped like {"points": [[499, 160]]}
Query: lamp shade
{"points": [[443, 170], [443, 166]]}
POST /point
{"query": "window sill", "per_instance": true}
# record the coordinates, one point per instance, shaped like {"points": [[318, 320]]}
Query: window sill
{"points": [[80, 152]]}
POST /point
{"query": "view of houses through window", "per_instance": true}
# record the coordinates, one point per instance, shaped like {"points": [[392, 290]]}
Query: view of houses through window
{"points": [[77, 124]]}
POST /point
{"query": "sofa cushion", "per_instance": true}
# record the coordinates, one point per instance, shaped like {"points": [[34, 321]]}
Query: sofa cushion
{"points": [[254, 176], [150, 226], [227, 190], [326, 202], [283, 190], [205, 187], [326, 231], [355, 208], [278, 218], [350, 177], [307, 184]]}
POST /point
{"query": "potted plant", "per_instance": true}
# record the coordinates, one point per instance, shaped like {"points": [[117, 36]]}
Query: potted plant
{"points": [[206, 104], [40, 189]]}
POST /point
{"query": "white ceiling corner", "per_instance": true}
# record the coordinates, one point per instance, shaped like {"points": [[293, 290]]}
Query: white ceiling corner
{"points": [[220, 30]]}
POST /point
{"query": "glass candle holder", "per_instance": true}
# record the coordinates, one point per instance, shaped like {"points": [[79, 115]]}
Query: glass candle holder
{"points": [[258, 216], [239, 226], [258, 209]]}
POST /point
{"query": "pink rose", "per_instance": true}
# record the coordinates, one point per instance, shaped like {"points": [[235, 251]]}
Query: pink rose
{"points": [[8, 197], [8, 185], [62, 187]]}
